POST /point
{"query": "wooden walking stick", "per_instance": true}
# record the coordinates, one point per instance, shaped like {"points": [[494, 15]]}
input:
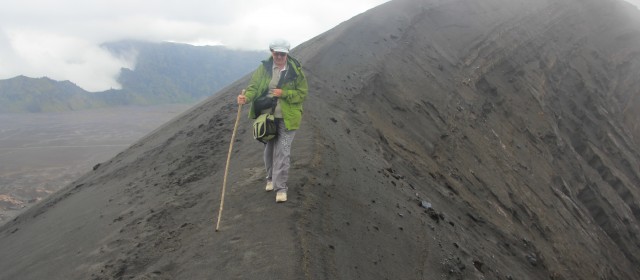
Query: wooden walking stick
{"points": [[226, 169]]}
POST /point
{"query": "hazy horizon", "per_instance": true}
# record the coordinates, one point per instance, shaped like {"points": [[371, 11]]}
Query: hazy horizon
{"points": [[60, 39]]}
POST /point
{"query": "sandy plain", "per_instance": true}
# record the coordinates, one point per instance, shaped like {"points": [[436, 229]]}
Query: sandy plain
{"points": [[41, 153]]}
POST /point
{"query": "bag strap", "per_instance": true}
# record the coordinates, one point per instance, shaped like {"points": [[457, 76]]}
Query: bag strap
{"points": [[274, 105], [283, 74]]}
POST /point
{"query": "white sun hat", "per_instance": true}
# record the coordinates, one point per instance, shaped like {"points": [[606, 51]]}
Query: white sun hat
{"points": [[279, 46]]}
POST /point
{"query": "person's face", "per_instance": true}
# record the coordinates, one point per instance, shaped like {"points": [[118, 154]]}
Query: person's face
{"points": [[279, 58]]}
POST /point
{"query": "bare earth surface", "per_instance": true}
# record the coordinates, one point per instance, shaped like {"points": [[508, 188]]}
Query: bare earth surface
{"points": [[41, 153], [441, 139]]}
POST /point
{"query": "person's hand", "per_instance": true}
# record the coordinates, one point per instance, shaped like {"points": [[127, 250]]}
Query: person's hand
{"points": [[242, 99], [277, 92]]}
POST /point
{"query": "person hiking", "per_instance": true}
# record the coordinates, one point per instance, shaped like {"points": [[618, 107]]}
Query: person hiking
{"points": [[279, 79]]}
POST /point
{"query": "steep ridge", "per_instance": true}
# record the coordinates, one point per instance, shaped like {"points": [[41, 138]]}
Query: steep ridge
{"points": [[514, 119], [516, 115]]}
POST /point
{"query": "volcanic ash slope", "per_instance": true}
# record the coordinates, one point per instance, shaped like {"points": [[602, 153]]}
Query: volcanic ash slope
{"points": [[490, 139]]}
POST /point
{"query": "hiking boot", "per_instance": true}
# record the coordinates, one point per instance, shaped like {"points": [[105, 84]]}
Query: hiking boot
{"points": [[281, 197], [269, 186]]}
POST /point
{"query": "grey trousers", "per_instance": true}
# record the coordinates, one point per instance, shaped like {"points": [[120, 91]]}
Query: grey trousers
{"points": [[277, 154]]}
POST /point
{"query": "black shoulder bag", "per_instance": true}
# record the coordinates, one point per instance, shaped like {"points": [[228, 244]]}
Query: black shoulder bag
{"points": [[264, 127]]}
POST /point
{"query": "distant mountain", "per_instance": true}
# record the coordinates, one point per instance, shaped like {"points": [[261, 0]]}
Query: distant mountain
{"points": [[21, 94], [170, 72], [164, 73]]}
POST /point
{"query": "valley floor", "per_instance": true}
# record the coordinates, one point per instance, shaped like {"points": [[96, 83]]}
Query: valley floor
{"points": [[41, 153]]}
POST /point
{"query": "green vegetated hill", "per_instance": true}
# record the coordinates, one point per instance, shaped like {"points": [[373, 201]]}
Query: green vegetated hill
{"points": [[23, 94], [164, 73]]}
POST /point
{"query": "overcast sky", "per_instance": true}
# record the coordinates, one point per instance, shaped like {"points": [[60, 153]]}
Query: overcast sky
{"points": [[60, 39], [634, 2]]}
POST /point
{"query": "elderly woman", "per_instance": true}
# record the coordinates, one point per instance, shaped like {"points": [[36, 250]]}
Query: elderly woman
{"points": [[279, 77]]}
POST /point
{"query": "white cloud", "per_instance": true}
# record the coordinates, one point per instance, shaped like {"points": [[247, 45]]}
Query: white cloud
{"points": [[62, 57], [60, 39], [634, 2]]}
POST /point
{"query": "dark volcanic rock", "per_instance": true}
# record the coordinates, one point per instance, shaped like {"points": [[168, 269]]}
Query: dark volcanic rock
{"points": [[516, 118]]}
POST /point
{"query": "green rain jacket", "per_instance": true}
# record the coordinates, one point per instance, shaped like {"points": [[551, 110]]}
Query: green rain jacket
{"points": [[294, 90]]}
